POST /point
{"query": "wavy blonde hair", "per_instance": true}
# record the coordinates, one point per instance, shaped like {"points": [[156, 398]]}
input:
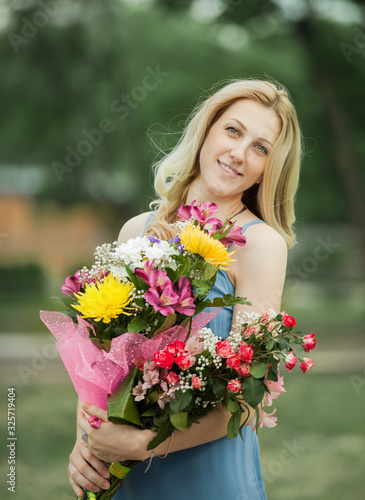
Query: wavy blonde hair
{"points": [[273, 199]]}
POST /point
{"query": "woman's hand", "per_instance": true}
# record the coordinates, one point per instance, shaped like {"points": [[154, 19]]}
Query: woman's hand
{"points": [[86, 471], [113, 443]]}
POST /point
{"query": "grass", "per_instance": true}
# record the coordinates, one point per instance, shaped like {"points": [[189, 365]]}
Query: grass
{"points": [[315, 452]]}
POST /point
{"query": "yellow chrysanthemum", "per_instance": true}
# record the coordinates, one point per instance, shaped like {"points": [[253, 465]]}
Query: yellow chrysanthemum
{"points": [[104, 301], [213, 251]]}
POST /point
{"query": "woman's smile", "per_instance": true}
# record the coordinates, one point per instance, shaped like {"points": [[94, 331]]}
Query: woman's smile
{"points": [[232, 172]]}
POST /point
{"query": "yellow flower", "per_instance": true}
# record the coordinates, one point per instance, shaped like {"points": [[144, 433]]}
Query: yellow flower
{"points": [[104, 301], [213, 251]]}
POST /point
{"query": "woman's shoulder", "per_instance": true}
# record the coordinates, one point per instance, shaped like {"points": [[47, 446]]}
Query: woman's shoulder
{"points": [[263, 258], [134, 227], [262, 240]]}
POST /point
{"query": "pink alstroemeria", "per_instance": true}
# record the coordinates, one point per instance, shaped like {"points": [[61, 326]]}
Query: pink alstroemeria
{"points": [[154, 277], [151, 378], [72, 285], [184, 211], [234, 235], [202, 212], [194, 345], [275, 388], [162, 399], [139, 391], [185, 303], [162, 303], [265, 419]]}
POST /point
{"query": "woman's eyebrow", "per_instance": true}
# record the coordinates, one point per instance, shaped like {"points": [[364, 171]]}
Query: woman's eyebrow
{"points": [[245, 128]]}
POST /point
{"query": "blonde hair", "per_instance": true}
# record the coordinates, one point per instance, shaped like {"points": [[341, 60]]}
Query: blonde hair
{"points": [[273, 199]]}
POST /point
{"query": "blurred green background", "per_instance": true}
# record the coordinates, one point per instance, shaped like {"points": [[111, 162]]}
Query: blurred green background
{"points": [[91, 94]]}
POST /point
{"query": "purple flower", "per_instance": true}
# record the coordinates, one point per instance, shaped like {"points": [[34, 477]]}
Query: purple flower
{"points": [[176, 239], [154, 240]]}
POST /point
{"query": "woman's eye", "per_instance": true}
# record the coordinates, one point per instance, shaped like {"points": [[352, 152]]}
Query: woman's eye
{"points": [[233, 130], [262, 148]]}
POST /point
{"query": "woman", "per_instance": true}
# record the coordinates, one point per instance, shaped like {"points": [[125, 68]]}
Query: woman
{"points": [[241, 150]]}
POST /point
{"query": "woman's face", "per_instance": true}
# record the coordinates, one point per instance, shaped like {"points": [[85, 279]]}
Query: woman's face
{"points": [[235, 151]]}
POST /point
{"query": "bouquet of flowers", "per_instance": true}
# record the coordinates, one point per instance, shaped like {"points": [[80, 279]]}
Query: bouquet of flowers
{"points": [[184, 381], [137, 298]]}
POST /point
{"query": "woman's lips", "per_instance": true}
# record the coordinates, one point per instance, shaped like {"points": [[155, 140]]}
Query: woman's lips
{"points": [[228, 169]]}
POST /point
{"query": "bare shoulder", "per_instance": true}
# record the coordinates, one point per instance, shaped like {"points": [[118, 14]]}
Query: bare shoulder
{"points": [[264, 246], [133, 227], [263, 236]]}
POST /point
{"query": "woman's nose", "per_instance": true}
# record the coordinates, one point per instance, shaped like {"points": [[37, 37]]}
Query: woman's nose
{"points": [[238, 153]]}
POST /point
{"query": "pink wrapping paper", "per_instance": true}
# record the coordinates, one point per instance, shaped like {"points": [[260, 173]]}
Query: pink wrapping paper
{"points": [[96, 373]]}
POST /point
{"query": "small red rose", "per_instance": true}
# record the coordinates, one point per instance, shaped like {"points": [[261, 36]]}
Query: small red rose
{"points": [[164, 359], [234, 386], [309, 342], [289, 321]]}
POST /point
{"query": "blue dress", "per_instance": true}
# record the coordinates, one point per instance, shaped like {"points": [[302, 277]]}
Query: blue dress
{"points": [[222, 469]]}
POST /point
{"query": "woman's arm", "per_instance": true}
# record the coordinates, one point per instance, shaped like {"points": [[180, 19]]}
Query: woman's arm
{"points": [[259, 270], [123, 442]]}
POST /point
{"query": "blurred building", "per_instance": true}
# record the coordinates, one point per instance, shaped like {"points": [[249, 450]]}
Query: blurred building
{"points": [[55, 237]]}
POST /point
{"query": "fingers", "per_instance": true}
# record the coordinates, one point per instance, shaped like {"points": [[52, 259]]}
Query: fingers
{"points": [[95, 411], [82, 473]]}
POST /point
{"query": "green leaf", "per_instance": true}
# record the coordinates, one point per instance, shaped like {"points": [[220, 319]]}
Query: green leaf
{"points": [[137, 324], [258, 370], [138, 282], [120, 329], [209, 271], [67, 300], [164, 431], [168, 323], [148, 413], [179, 420], [273, 373], [230, 300], [270, 345], [283, 342], [121, 405], [234, 425], [183, 400], [219, 387], [253, 391], [232, 405], [183, 269]]}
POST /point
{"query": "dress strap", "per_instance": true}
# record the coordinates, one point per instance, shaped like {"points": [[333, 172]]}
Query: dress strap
{"points": [[148, 221], [256, 221]]}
